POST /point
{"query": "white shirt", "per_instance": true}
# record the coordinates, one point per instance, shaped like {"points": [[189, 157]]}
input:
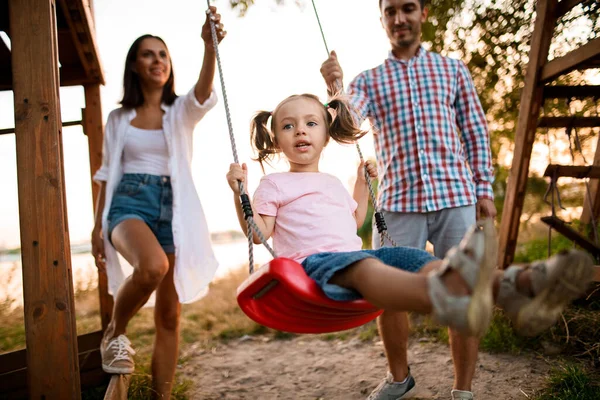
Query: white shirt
{"points": [[195, 263], [145, 152]]}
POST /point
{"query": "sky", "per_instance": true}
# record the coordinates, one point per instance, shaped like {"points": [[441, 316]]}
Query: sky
{"points": [[269, 54]]}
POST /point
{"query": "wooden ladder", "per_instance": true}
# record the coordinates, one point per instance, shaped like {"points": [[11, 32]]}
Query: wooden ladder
{"points": [[539, 73]]}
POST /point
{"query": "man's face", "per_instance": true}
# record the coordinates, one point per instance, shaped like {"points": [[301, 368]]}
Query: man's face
{"points": [[402, 20]]}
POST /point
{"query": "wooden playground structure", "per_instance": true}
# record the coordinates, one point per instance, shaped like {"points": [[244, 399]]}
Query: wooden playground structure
{"points": [[57, 363]]}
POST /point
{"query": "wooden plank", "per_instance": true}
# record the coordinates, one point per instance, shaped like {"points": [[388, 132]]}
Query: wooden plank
{"points": [[118, 387], [47, 277], [12, 130], [594, 208], [16, 360], [564, 6], [571, 92], [94, 130], [597, 275], [571, 61], [566, 122], [561, 227], [13, 367], [81, 25], [70, 76], [573, 171], [14, 385], [529, 111]]}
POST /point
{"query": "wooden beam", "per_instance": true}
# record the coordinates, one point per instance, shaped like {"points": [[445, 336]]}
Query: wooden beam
{"points": [[529, 111], [69, 76], [564, 6], [597, 274], [46, 260], [564, 229], [12, 130], [569, 122], [571, 92], [571, 61], [118, 387], [81, 25], [13, 368], [17, 360], [573, 171], [92, 127]]}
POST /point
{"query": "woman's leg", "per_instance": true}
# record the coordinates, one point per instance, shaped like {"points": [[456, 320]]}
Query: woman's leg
{"points": [[134, 240], [167, 313]]}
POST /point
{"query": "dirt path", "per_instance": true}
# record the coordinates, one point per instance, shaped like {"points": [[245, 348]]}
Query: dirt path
{"points": [[310, 368]]}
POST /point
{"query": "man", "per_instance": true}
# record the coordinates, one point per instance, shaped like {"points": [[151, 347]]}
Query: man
{"points": [[428, 124]]}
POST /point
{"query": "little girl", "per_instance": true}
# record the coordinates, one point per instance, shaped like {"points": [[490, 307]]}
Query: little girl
{"points": [[313, 220]]}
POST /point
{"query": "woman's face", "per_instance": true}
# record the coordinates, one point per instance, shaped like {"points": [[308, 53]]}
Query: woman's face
{"points": [[153, 63]]}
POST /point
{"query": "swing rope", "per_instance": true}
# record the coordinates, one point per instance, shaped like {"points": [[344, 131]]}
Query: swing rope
{"points": [[244, 198], [379, 219]]}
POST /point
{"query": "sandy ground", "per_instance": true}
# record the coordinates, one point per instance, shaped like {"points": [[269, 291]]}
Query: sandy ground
{"points": [[311, 368]]}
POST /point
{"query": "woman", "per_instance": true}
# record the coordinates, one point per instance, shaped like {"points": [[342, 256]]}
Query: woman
{"points": [[148, 209]]}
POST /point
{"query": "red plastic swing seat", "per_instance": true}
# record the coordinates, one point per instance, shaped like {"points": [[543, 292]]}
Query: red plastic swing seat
{"points": [[281, 296]]}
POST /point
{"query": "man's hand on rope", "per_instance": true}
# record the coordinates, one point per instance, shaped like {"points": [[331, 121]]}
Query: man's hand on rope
{"points": [[333, 74], [371, 170], [206, 32], [485, 209], [237, 173]]}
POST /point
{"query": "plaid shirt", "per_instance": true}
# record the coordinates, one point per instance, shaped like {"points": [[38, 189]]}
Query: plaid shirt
{"points": [[417, 108]]}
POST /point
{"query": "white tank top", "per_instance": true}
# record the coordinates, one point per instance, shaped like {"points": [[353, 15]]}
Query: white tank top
{"points": [[145, 152]]}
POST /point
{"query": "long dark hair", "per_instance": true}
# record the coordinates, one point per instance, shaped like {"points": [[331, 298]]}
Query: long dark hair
{"points": [[341, 128], [132, 89]]}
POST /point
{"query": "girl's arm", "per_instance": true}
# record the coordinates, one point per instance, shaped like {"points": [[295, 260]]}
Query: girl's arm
{"points": [[265, 223], [203, 87], [361, 191]]}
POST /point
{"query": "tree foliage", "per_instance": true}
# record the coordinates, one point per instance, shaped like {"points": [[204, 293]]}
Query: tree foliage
{"points": [[493, 38]]}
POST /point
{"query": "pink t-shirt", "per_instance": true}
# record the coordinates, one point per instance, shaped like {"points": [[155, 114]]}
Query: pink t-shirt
{"points": [[314, 213]]}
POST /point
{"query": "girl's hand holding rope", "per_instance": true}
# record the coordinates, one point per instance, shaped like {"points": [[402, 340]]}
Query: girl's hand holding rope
{"points": [[371, 169], [237, 173]]}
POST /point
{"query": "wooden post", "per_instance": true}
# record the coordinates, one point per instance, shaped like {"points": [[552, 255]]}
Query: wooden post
{"points": [[92, 127], [531, 101], [51, 337], [594, 207]]}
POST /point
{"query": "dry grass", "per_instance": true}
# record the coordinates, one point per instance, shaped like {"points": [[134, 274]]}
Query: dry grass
{"points": [[217, 317]]}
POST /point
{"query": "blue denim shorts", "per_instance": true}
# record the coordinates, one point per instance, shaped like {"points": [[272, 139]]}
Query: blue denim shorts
{"points": [[148, 198], [322, 266]]}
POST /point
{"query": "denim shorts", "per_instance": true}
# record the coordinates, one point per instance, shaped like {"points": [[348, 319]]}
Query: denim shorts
{"points": [[148, 198], [322, 266]]}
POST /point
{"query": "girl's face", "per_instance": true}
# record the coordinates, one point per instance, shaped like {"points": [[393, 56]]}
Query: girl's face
{"points": [[301, 133], [153, 63]]}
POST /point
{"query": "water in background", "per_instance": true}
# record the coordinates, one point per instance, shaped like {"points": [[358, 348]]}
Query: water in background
{"points": [[231, 255]]}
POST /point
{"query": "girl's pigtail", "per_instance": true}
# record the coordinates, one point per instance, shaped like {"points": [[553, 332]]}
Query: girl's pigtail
{"points": [[343, 128], [261, 138]]}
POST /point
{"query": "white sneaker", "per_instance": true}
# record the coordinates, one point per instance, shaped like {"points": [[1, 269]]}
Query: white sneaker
{"points": [[117, 355], [461, 395]]}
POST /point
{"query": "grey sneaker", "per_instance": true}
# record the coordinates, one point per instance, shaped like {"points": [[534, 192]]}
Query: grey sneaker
{"points": [[389, 390], [117, 355], [461, 395], [555, 282]]}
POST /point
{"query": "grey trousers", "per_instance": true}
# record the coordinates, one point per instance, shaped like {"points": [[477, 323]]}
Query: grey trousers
{"points": [[443, 229]]}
